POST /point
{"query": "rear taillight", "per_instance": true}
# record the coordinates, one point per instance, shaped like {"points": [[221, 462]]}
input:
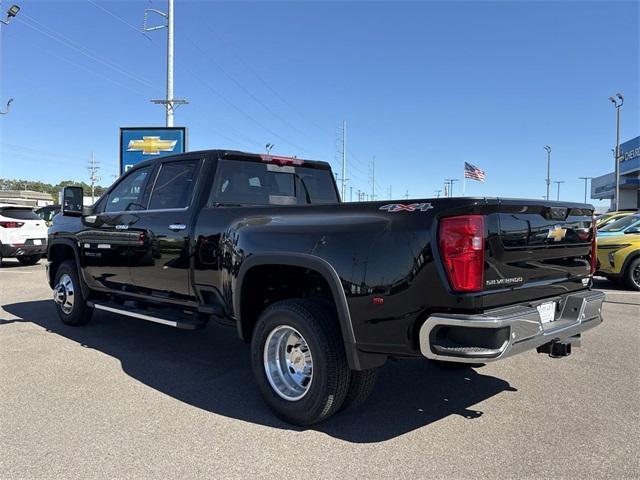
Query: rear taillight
{"points": [[594, 246], [11, 224], [462, 248]]}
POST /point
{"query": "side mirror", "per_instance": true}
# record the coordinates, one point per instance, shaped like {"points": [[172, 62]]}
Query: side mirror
{"points": [[71, 204], [632, 230]]}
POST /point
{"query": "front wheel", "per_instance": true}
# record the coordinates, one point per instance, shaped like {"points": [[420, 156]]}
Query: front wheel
{"points": [[71, 307], [632, 274], [29, 259], [299, 362]]}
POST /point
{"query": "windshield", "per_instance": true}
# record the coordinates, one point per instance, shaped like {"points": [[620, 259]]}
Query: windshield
{"points": [[622, 224]]}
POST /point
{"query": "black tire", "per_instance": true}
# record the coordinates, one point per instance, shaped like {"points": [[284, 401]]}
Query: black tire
{"points": [[360, 387], [29, 259], [361, 383], [328, 387], [632, 274], [79, 313]]}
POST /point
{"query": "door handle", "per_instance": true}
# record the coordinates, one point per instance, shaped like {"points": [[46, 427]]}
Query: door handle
{"points": [[177, 226]]}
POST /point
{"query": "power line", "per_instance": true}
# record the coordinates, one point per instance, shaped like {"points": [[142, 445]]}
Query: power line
{"points": [[88, 70], [242, 87], [275, 92], [60, 38], [242, 112], [70, 44], [265, 83], [152, 42], [120, 19]]}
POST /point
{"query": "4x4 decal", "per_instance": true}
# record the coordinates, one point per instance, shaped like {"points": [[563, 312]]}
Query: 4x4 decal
{"points": [[400, 207]]}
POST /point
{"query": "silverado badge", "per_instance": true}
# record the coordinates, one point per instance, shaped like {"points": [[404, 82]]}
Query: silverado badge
{"points": [[557, 233]]}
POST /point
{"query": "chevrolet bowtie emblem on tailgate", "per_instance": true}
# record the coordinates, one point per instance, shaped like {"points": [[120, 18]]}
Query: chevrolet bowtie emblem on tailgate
{"points": [[151, 145], [557, 233]]}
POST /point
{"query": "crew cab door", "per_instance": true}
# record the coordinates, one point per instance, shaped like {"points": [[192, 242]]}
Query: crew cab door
{"points": [[160, 261], [105, 240]]}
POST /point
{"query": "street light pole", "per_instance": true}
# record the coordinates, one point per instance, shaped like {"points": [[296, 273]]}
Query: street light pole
{"points": [[617, 101], [548, 149], [169, 103], [558, 182], [586, 179], [450, 182], [11, 13]]}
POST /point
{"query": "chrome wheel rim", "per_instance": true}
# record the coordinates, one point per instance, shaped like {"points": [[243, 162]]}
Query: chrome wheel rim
{"points": [[64, 294], [635, 275], [288, 363]]}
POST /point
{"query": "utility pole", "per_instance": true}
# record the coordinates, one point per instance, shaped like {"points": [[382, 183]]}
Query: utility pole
{"points": [[93, 175], [586, 179], [450, 182], [548, 149], [406, 195], [558, 182], [11, 13], [618, 101], [169, 103], [389, 192], [373, 178], [351, 194], [344, 158], [437, 192]]}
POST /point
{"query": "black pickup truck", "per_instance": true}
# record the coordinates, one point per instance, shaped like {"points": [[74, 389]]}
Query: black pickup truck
{"points": [[325, 291]]}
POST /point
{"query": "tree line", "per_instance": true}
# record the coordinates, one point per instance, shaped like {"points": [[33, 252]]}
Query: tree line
{"points": [[53, 190]]}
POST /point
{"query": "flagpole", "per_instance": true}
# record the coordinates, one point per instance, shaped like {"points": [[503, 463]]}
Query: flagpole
{"points": [[464, 181]]}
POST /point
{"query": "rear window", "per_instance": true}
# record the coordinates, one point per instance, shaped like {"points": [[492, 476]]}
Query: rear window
{"points": [[254, 183], [19, 213]]}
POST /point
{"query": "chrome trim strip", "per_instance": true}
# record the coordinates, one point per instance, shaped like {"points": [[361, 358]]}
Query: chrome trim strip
{"points": [[141, 316]]}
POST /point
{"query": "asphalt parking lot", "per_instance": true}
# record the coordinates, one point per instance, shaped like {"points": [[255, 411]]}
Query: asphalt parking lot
{"points": [[122, 398]]}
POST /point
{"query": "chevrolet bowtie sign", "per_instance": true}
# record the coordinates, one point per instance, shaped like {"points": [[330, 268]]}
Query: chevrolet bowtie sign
{"points": [[151, 145], [138, 144]]}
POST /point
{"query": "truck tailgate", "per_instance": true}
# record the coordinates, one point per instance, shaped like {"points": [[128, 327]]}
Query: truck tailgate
{"points": [[539, 245]]}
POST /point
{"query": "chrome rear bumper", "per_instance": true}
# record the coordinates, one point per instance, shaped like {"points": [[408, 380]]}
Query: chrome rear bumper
{"points": [[502, 332]]}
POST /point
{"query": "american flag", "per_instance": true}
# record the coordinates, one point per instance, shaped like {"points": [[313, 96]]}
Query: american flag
{"points": [[473, 172]]}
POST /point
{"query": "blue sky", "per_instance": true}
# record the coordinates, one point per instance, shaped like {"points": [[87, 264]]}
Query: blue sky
{"points": [[423, 86]]}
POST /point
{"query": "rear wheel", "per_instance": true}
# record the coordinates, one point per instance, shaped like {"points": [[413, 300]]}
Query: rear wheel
{"points": [[632, 274], [361, 386], [361, 383], [29, 259], [299, 363], [71, 307]]}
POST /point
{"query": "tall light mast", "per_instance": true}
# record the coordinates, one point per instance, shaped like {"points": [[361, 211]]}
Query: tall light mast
{"points": [[169, 103]]}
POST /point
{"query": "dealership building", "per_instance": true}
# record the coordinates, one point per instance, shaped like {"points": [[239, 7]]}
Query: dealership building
{"points": [[604, 187]]}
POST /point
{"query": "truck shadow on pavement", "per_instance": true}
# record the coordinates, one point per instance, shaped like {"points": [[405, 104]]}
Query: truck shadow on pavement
{"points": [[210, 369]]}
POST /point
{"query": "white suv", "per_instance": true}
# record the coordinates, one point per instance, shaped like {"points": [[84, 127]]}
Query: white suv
{"points": [[23, 234]]}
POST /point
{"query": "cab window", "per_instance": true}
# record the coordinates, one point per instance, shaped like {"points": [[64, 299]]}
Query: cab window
{"points": [[127, 195], [174, 185]]}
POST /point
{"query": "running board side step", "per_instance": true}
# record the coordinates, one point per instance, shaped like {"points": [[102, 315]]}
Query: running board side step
{"points": [[177, 320]]}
